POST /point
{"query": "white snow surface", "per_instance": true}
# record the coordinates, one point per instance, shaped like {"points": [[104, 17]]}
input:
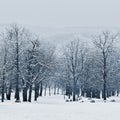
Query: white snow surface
{"points": [[55, 108]]}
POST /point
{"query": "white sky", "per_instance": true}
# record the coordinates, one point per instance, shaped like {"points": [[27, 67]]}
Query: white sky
{"points": [[61, 13]]}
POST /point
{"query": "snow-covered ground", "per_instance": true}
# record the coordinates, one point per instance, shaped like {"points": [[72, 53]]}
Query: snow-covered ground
{"points": [[55, 108]]}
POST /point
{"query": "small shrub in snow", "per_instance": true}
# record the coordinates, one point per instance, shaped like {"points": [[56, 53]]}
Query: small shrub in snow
{"points": [[113, 100], [92, 101], [82, 101], [18, 101], [67, 100]]}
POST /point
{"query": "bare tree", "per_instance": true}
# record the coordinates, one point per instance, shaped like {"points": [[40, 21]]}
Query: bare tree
{"points": [[16, 35], [4, 56], [74, 57], [104, 43]]}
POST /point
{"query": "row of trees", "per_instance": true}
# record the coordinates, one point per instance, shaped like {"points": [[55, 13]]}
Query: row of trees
{"points": [[92, 71], [25, 63], [28, 64]]}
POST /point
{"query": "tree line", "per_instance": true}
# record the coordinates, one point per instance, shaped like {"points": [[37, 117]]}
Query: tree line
{"points": [[31, 66]]}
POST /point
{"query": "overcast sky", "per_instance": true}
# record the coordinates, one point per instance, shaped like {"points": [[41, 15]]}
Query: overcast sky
{"points": [[61, 13]]}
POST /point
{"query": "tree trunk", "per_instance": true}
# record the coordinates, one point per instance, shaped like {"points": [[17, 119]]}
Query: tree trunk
{"points": [[3, 86], [41, 88], [104, 77], [54, 89], [49, 91], [104, 90], [118, 92], [25, 94], [45, 90], [58, 90], [36, 92], [74, 91], [8, 92], [30, 93], [17, 65]]}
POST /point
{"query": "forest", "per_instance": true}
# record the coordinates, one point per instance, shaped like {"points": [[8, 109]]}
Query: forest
{"points": [[32, 66]]}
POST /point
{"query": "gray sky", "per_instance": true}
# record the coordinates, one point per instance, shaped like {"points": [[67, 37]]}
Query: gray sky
{"points": [[61, 13]]}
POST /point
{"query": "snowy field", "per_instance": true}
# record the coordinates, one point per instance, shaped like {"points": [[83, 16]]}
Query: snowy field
{"points": [[55, 108]]}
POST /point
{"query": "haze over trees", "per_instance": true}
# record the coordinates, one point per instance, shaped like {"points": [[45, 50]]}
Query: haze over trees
{"points": [[32, 67]]}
